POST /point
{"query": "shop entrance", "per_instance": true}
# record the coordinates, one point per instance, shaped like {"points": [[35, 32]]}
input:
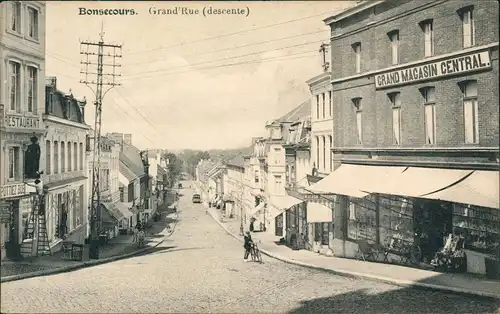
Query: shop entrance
{"points": [[432, 223], [13, 246]]}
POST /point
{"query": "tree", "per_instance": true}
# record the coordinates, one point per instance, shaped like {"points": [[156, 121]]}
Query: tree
{"points": [[174, 167], [191, 159]]}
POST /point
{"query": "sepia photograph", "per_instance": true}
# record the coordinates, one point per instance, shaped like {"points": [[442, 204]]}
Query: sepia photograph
{"points": [[250, 156]]}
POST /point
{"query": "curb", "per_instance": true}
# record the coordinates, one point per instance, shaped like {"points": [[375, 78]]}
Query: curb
{"points": [[77, 266], [345, 273]]}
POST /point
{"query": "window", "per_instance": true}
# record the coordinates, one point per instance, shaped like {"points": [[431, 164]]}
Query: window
{"points": [[47, 157], [33, 23], [317, 151], [81, 156], [396, 117], [14, 164], [278, 184], [429, 94], [394, 37], [63, 157], [15, 86], [467, 26], [317, 107], [69, 157], [359, 125], [428, 30], [330, 139], [471, 122], [324, 152], [357, 52], [32, 84], [330, 103], [324, 104], [15, 21], [75, 156], [56, 157]]}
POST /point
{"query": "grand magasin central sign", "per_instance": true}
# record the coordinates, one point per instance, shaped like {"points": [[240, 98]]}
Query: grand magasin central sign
{"points": [[452, 66]]}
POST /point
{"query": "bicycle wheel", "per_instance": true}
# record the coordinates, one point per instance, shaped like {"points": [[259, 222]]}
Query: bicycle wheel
{"points": [[259, 256], [252, 254], [415, 254]]}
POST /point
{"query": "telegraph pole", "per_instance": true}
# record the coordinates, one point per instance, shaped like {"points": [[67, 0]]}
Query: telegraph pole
{"points": [[96, 78]]}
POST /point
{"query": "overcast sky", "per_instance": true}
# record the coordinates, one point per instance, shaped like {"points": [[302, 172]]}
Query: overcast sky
{"points": [[186, 82]]}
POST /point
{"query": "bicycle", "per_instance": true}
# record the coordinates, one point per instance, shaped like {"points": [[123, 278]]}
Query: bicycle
{"points": [[255, 253]]}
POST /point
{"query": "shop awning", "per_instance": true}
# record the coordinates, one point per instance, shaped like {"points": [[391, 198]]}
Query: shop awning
{"points": [[256, 192], [257, 210], [124, 209], [284, 202], [480, 188], [418, 181], [317, 212], [116, 212], [281, 204], [355, 180]]}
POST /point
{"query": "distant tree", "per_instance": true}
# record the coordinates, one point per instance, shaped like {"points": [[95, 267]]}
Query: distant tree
{"points": [[174, 167]]}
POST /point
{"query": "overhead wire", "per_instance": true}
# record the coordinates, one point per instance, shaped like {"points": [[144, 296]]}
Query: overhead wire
{"points": [[231, 34]]}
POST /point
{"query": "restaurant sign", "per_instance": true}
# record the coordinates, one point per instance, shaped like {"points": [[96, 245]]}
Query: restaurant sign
{"points": [[12, 190], [21, 122], [452, 66]]}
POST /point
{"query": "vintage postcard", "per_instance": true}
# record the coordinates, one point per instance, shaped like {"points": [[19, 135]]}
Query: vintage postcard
{"points": [[249, 156]]}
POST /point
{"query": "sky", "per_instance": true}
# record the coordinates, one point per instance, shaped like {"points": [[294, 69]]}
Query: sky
{"points": [[192, 81]]}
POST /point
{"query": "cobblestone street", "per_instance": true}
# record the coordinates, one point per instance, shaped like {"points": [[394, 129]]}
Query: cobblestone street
{"points": [[200, 269]]}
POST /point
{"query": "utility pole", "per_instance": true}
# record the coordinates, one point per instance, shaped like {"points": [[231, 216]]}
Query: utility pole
{"points": [[96, 77]]}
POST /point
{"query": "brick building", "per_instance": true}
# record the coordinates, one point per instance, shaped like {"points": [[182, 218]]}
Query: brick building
{"points": [[416, 133]]}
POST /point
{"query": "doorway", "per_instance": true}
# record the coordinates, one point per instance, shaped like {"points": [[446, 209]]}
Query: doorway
{"points": [[433, 222]]}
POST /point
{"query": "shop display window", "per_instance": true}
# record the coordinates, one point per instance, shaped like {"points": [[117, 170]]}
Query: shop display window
{"points": [[322, 232], [480, 226], [396, 219], [362, 222]]}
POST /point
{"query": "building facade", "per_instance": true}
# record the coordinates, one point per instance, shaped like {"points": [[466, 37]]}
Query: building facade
{"points": [[65, 166], [22, 95], [234, 188], [416, 126]]}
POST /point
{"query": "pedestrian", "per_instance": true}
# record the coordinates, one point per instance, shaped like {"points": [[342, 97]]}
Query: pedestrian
{"points": [[247, 245]]}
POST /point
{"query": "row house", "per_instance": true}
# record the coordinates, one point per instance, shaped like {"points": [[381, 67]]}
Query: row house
{"points": [[234, 188], [270, 163], [115, 215], [155, 173], [415, 127], [132, 179], [22, 102], [65, 166]]}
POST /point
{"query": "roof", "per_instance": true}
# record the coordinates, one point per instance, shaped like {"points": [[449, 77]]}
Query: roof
{"points": [[350, 11], [238, 161], [297, 113], [130, 162]]}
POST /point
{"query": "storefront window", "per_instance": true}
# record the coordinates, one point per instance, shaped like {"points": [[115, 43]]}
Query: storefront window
{"points": [[362, 222], [479, 226], [396, 219], [322, 232]]}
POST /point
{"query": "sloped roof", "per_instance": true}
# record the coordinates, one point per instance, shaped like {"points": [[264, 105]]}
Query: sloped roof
{"points": [[297, 113], [130, 159], [238, 161]]}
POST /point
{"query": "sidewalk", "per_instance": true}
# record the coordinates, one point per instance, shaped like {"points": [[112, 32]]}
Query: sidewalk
{"points": [[119, 247], [394, 274]]}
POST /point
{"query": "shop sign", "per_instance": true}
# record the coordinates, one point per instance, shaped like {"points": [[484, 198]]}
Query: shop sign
{"points": [[5, 211], [452, 66], [22, 138], [21, 122], [64, 176], [12, 190]]}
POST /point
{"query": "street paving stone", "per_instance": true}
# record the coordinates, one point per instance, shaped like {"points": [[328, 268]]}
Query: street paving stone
{"points": [[200, 269]]}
